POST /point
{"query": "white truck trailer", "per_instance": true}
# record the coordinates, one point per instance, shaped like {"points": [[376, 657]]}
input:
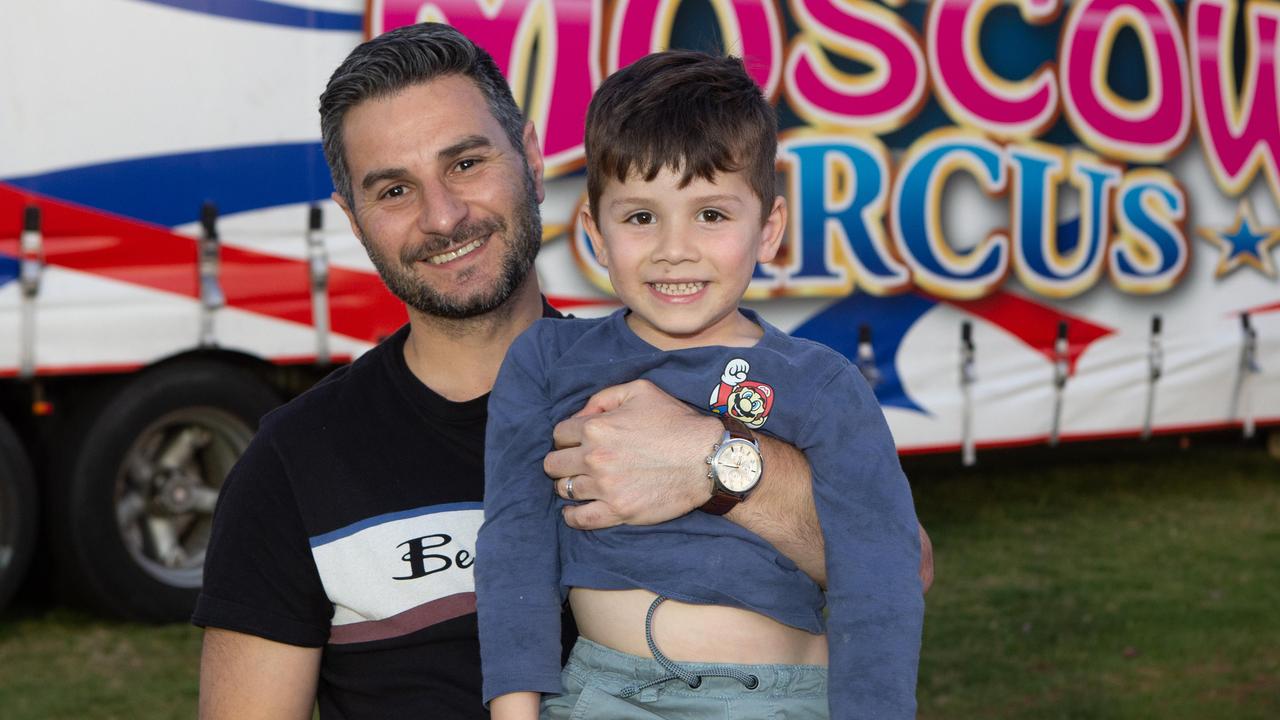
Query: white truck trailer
{"points": [[1028, 221]]}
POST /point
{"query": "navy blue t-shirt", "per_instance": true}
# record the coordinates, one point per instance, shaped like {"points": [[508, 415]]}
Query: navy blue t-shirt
{"points": [[799, 391]]}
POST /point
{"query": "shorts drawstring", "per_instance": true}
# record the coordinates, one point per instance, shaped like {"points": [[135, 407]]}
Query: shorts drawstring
{"points": [[675, 672]]}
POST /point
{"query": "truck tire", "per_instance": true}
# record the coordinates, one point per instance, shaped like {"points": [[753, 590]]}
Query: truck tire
{"points": [[18, 512], [139, 481]]}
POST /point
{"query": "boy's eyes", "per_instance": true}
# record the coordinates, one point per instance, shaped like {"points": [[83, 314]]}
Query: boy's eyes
{"points": [[644, 217]]}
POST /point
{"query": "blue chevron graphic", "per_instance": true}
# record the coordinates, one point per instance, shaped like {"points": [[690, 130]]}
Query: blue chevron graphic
{"points": [[8, 270], [889, 319], [270, 13], [169, 189]]}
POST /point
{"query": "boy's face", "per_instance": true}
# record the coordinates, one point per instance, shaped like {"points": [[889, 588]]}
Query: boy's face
{"points": [[681, 258]]}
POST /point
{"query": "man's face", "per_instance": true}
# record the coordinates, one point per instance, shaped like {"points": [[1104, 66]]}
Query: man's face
{"points": [[445, 207]]}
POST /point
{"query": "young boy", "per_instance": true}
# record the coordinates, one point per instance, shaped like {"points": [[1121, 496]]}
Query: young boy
{"points": [[681, 206]]}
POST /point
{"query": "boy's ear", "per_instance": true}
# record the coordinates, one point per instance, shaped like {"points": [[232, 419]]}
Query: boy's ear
{"points": [[593, 233], [775, 226]]}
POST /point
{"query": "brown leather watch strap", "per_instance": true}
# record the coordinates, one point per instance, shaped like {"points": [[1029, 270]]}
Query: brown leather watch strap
{"points": [[720, 504], [736, 428]]}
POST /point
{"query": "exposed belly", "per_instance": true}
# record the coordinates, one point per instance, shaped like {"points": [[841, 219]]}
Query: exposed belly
{"points": [[691, 633]]}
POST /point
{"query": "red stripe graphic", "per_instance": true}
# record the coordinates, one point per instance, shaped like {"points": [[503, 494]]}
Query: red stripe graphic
{"points": [[411, 620], [139, 253], [1260, 310], [1035, 324], [566, 303], [110, 368], [152, 256]]}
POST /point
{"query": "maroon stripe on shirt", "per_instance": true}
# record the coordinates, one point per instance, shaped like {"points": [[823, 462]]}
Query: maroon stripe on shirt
{"points": [[411, 620]]}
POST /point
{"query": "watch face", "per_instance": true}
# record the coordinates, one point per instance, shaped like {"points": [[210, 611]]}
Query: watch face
{"points": [[738, 465]]}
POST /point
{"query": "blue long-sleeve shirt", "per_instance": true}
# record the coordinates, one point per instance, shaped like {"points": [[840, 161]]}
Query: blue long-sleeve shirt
{"points": [[797, 390]]}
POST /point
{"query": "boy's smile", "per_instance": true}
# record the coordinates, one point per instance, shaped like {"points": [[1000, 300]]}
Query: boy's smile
{"points": [[681, 257], [683, 289]]}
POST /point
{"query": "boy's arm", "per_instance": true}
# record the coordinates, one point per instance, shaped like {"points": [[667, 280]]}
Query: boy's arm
{"points": [[874, 592], [517, 569], [639, 455], [516, 706]]}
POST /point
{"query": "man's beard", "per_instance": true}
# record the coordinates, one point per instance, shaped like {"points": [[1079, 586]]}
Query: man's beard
{"points": [[401, 279]]}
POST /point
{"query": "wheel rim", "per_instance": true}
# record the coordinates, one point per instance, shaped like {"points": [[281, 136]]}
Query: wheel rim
{"points": [[167, 487]]}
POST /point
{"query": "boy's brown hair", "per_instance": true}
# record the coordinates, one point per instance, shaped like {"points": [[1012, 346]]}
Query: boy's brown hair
{"points": [[690, 112]]}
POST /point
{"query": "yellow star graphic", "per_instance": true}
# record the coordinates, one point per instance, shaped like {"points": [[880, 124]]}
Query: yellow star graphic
{"points": [[1244, 243]]}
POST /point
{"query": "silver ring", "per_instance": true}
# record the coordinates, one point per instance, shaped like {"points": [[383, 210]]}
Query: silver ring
{"points": [[568, 487]]}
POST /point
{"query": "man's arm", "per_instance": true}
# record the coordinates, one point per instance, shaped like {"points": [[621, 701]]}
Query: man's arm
{"points": [[637, 455], [781, 509], [260, 582], [784, 514], [244, 677]]}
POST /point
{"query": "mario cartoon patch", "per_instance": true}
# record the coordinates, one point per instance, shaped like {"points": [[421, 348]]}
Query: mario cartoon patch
{"points": [[738, 397]]}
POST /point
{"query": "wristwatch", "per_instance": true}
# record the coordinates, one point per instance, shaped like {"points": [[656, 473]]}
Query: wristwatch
{"points": [[736, 467]]}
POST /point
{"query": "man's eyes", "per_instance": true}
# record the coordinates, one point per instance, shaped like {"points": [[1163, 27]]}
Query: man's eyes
{"points": [[400, 190]]}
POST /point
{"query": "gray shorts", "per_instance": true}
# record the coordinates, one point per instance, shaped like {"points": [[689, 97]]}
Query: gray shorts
{"points": [[595, 675]]}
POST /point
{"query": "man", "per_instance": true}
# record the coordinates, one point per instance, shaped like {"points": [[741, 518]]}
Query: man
{"points": [[339, 568]]}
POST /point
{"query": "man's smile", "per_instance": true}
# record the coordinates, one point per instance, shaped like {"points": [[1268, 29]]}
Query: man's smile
{"points": [[456, 253]]}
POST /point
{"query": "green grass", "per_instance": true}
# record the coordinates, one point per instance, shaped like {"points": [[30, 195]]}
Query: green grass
{"points": [[64, 664], [1140, 587], [1099, 582]]}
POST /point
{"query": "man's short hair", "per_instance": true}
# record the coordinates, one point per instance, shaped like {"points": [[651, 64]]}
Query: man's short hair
{"points": [[690, 112], [407, 56]]}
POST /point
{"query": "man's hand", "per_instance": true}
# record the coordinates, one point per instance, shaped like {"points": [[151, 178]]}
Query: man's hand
{"points": [[629, 452], [926, 560], [633, 453]]}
